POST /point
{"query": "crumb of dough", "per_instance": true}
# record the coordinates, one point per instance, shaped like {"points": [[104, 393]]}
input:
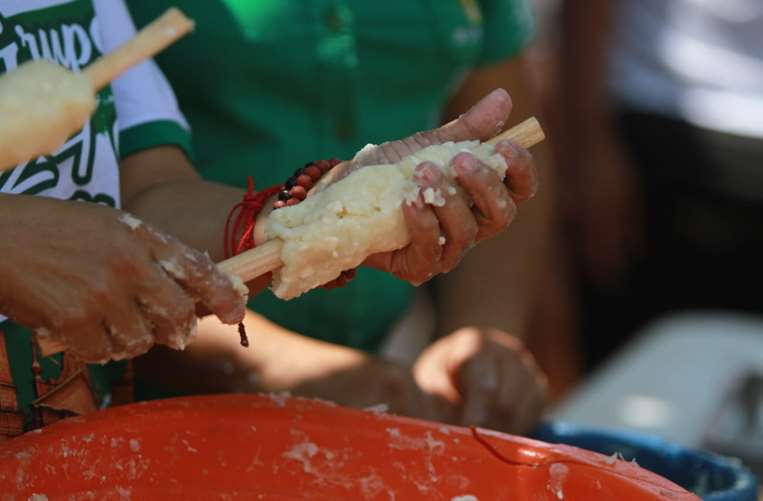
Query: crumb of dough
{"points": [[238, 284], [173, 268], [434, 197], [131, 221]]}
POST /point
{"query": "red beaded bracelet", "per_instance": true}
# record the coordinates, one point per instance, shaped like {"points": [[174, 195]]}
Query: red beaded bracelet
{"points": [[243, 216], [296, 187]]}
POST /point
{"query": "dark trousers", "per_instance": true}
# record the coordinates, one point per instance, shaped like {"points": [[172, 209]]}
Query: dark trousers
{"points": [[704, 240]]}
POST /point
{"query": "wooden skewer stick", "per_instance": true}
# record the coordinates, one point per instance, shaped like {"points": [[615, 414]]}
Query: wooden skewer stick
{"points": [[149, 41], [267, 257], [526, 134]]}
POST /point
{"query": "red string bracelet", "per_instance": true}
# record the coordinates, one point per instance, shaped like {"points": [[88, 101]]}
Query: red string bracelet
{"points": [[242, 218]]}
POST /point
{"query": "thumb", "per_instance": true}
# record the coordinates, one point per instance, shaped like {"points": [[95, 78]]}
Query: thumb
{"points": [[483, 120], [434, 377]]}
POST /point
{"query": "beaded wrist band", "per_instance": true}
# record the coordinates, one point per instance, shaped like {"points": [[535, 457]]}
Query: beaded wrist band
{"points": [[296, 187]]}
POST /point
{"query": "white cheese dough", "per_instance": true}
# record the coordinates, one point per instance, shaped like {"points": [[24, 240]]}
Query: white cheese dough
{"points": [[336, 229], [41, 105]]}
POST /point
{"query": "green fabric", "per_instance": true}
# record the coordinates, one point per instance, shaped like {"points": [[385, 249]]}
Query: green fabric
{"points": [[18, 343], [153, 134], [506, 17], [268, 85]]}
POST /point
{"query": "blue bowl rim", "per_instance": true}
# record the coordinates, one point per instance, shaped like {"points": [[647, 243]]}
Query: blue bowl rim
{"points": [[743, 488]]}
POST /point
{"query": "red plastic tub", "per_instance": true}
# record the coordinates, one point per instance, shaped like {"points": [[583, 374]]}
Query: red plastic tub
{"points": [[273, 447]]}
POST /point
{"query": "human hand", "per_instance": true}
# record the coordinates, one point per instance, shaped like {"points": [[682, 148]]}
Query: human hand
{"points": [[487, 376], [102, 282], [458, 222], [377, 383]]}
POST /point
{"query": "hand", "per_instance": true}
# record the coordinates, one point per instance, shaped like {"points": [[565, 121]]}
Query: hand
{"points": [[487, 376], [457, 222], [101, 281], [376, 382]]}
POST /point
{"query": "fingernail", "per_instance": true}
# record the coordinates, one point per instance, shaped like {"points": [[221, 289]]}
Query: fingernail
{"points": [[508, 149], [466, 163], [426, 174]]}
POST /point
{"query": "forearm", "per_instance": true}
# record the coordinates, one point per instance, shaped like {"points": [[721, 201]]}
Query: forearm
{"points": [[177, 200], [161, 187], [277, 360], [505, 269]]}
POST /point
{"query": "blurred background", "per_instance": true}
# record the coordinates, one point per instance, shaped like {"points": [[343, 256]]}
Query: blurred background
{"points": [[655, 113], [633, 276]]}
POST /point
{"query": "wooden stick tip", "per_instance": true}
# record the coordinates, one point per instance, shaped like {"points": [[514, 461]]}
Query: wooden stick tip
{"points": [[175, 23]]}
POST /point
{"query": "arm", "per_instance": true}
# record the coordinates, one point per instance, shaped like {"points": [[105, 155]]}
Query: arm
{"points": [[159, 185], [600, 199], [505, 269], [281, 360]]}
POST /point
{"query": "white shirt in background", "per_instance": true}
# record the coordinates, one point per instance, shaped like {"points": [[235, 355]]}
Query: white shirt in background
{"points": [[697, 60]]}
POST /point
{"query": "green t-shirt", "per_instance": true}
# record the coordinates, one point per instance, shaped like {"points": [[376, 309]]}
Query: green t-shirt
{"points": [[136, 112], [268, 85]]}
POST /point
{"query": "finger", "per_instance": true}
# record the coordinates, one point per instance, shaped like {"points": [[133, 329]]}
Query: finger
{"points": [[459, 227], [495, 207], [513, 393], [483, 121], [532, 398], [539, 397], [200, 278], [527, 411], [130, 332], [418, 261], [167, 309], [521, 174], [479, 381], [89, 342], [513, 383]]}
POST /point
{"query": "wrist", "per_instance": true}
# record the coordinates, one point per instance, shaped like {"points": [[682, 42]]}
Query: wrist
{"points": [[260, 236]]}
